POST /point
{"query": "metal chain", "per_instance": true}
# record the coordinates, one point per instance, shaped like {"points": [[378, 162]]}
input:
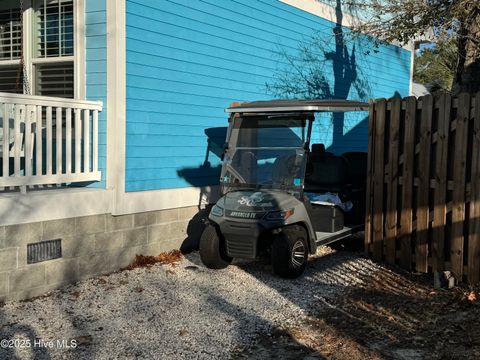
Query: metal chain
{"points": [[23, 67]]}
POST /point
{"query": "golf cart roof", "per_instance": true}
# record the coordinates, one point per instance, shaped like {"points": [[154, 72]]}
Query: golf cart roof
{"points": [[298, 105]]}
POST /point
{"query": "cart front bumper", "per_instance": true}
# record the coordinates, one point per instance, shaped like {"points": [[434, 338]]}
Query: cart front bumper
{"points": [[241, 239]]}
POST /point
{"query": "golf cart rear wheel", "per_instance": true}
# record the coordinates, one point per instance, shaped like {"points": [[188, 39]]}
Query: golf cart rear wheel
{"points": [[212, 249], [290, 252]]}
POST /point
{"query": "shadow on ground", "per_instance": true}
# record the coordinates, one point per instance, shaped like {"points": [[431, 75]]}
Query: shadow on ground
{"points": [[386, 312]]}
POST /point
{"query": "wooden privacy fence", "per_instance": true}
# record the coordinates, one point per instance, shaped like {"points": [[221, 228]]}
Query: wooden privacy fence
{"points": [[423, 186]]}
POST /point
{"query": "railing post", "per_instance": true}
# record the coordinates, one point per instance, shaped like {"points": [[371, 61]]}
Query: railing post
{"points": [[78, 140], [17, 146], [28, 141], [6, 140], [86, 141], [49, 139], [95, 141], [59, 125], [39, 141], [68, 141]]}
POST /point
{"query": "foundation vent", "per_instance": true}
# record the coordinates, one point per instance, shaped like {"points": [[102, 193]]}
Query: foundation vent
{"points": [[43, 251]]}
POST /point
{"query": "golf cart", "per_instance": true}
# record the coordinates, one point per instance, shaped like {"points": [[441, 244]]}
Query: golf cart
{"points": [[277, 192]]}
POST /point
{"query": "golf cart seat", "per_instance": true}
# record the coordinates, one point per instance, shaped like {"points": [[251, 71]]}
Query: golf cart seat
{"points": [[357, 184], [246, 163], [357, 168], [283, 170], [328, 172]]}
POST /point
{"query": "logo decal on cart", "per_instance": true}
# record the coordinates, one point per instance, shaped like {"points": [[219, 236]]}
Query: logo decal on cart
{"points": [[253, 200]]}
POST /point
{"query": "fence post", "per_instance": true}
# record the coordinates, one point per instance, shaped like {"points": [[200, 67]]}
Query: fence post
{"points": [[474, 225]]}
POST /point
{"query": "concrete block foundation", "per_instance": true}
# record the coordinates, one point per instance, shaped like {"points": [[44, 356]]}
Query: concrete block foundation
{"points": [[91, 245]]}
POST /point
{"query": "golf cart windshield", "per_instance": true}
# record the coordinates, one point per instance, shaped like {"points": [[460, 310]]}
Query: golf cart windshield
{"points": [[265, 151]]}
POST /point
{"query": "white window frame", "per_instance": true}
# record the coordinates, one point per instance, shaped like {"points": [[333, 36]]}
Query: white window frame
{"points": [[31, 60]]}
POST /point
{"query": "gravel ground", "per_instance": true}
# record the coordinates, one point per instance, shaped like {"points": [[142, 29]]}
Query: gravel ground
{"points": [[176, 312]]}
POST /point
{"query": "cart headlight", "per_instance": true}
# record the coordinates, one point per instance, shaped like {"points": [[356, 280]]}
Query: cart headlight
{"points": [[216, 211], [280, 215]]}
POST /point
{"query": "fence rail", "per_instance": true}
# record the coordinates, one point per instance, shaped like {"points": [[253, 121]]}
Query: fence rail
{"points": [[423, 195], [46, 140]]}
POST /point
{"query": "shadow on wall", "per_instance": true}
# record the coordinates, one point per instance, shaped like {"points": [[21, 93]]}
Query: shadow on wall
{"points": [[206, 178], [207, 174], [308, 75]]}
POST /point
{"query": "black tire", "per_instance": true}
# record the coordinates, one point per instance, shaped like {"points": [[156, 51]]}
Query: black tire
{"points": [[287, 262], [212, 249]]}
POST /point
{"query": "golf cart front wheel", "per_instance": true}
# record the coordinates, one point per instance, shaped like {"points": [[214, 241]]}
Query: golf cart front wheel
{"points": [[212, 249], [290, 252]]}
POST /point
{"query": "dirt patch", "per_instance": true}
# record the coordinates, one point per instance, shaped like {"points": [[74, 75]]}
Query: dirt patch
{"points": [[312, 340], [171, 257], [396, 316]]}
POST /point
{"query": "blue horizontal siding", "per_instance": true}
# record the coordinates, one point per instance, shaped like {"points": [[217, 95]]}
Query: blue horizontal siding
{"points": [[96, 73], [187, 60]]}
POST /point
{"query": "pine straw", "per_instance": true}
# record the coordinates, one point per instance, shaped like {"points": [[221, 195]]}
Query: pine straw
{"points": [[171, 257]]}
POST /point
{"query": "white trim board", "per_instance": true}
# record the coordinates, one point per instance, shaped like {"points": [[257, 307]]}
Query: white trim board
{"points": [[322, 10], [79, 50], [328, 12], [45, 205], [116, 102], [142, 201]]}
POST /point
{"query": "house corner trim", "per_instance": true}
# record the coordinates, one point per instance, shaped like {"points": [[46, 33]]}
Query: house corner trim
{"points": [[116, 102]]}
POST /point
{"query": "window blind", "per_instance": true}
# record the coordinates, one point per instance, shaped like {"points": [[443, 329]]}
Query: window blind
{"points": [[10, 34], [55, 79], [55, 28], [8, 79]]}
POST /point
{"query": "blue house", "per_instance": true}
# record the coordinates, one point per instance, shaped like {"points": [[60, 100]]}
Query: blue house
{"points": [[111, 116]]}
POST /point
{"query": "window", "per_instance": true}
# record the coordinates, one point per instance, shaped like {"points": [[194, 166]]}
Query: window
{"points": [[10, 40], [48, 35], [54, 21], [10, 34]]}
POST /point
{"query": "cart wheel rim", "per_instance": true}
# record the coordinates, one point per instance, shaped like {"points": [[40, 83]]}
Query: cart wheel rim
{"points": [[298, 254]]}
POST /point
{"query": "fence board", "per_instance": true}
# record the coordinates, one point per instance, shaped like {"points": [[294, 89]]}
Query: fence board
{"points": [[422, 213], [458, 195], [369, 193], [474, 224], [391, 213], [378, 175], [406, 224], [440, 177]]}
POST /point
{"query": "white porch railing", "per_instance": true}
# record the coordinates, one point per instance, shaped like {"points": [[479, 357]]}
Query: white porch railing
{"points": [[46, 140]]}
